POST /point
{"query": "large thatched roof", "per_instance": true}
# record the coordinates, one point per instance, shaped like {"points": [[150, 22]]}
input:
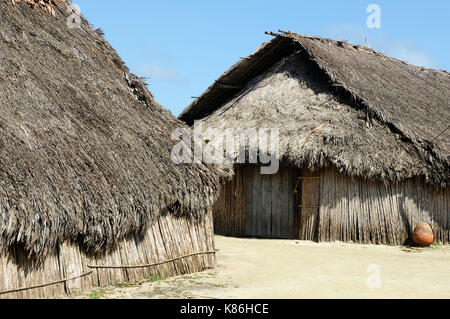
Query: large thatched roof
{"points": [[382, 117], [85, 149]]}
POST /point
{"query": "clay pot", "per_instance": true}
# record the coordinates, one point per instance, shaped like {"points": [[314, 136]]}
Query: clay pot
{"points": [[423, 235]]}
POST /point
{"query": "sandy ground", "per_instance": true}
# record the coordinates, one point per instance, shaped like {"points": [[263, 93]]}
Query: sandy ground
{"points": [[255, 268]]}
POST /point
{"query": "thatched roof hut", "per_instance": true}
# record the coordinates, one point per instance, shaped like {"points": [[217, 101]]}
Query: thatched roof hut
{"points": [[347, 115], [86, 174]]}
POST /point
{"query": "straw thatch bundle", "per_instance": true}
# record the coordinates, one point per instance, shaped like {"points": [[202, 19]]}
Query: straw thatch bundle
{"points": [[338, 104], [85, 149], [48, 5]]}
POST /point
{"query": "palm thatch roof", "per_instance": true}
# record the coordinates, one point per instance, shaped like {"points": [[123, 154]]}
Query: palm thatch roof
{"points": [[336, 103], [84, 147]]}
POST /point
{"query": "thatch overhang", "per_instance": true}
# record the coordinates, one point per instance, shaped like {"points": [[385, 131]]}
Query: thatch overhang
{"points": [[85, 150], [396, 120]]}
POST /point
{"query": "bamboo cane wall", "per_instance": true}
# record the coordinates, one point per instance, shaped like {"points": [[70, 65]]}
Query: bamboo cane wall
{"points": [[363, 211], [336, 207], [168, 238]]}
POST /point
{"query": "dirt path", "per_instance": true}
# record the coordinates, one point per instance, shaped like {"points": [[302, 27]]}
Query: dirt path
{"points": [[254, 268]]}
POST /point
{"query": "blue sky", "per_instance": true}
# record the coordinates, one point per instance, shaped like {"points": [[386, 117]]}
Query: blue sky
{"points": [[183, 46]]}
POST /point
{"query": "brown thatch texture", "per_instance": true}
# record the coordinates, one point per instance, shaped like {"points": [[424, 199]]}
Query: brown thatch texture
{"points": [[382, 118], [84, 148]]}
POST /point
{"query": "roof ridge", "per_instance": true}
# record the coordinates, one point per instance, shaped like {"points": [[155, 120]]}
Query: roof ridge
{"points": [[342, 43]]}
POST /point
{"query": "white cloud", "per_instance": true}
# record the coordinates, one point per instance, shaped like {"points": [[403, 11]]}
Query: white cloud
{"points": [[158, 73], [381, 42], [408, 53]]}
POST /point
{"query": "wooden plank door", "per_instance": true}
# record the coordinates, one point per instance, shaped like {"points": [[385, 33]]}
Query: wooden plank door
{"points": [[270, 204], [288, 207], [277, 210], [266, 206]]}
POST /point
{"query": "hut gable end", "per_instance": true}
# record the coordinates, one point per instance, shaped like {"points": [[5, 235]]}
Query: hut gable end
{"points": [[371, 104]]}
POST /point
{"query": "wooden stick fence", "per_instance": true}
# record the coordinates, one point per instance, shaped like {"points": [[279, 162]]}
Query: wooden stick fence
{"points": [[46, 284]]}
